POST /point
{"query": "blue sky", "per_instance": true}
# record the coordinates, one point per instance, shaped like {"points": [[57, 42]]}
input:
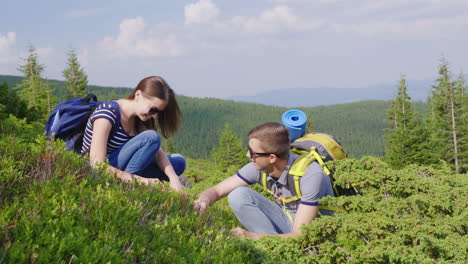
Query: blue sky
{"points": [[221, 48]]}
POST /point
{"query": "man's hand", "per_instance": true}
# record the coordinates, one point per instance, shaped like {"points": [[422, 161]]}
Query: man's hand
{"points": [[201, 205], [241, 232]]}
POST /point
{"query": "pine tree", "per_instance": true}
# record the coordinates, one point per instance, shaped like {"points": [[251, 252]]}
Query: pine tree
{"points": [[31, 84], [75, 77], [230, 151], [462, 122], [37, 94], [447, 122], [404, 143]]}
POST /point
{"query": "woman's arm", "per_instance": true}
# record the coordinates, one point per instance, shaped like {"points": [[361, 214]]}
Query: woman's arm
{"points": [[163, 162], [97, 152]]}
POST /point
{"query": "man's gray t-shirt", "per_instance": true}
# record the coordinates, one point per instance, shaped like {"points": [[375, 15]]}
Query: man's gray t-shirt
{"points": [[314, 185]]}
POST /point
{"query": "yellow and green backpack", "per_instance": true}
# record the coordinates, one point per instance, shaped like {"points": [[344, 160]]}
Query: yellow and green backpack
{"points": [[312, 147]]}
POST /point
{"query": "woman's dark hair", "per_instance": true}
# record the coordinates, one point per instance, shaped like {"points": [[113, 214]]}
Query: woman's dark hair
{"points": [[170, 119]]}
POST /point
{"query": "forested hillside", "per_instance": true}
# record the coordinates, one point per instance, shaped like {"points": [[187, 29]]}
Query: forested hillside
{"points": [[360, 126]]}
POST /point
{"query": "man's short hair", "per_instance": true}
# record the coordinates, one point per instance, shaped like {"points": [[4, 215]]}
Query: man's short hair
{"points": [[273, 137]]}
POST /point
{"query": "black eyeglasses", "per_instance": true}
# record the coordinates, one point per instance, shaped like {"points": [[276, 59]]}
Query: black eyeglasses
{"points": [[154, 110], [254, 154]]}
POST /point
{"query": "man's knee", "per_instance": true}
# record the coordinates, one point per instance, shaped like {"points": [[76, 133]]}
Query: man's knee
{"points": [[239, 196]]}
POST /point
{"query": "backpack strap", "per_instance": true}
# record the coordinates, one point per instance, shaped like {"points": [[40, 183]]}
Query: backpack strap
{"points": [[88, 98], [297, 170], [283, 200]]}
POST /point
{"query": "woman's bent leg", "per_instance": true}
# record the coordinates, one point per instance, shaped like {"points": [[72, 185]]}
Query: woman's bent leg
{"points": [[153, 171], [137, 154]]}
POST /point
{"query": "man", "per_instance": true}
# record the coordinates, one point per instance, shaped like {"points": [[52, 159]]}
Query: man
{"points": [[269, 153]]}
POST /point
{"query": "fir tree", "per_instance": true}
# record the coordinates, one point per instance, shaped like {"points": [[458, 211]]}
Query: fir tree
{"points": [[230, 151], [447, 120], [31, 84], [75, 77], [37, 94], [404, 143], [462, 122]]}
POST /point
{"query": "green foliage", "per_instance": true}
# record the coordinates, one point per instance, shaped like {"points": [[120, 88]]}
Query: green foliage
{"points": [[414, 215], [13, 104], [447, 119], [229, 152], [21, 128], [167, 146], [75, 77], [55, 208], [37, 94], [404, 144]]}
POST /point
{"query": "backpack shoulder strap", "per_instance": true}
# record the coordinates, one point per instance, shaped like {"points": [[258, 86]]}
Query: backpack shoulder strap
{"points": [[297, 170], [265, 183]]}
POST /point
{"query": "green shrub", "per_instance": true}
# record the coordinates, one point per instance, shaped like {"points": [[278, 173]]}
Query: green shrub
{"points": [[414, 215], [55, 208], [60, 210]]}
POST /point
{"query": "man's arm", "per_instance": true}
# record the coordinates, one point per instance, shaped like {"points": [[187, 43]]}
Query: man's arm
{"points": [[213, 194], [304, 216]]}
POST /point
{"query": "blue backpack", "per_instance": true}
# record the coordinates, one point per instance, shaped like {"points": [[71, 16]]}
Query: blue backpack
{"points": [[67, 121]]}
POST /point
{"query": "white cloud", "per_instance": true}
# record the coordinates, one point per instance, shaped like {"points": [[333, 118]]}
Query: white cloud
{"points": [[415, 19], [279, 18], [416, 28], [134, 40], [7, 52], [400, 9], [203, 11]]}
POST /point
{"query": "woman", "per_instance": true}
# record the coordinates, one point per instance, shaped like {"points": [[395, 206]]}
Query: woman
{"points": [[124, 133]]}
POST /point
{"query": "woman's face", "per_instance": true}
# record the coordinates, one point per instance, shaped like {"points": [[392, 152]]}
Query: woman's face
{"points": [[149, 106]]}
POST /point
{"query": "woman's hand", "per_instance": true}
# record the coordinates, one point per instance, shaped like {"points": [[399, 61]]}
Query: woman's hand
{"points": [[149, 181], [177, 186]]}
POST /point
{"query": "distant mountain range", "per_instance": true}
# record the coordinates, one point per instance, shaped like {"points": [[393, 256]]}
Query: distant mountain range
{"points": [[306, 97]]}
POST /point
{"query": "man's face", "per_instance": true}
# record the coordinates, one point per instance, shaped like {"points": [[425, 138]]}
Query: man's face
{"points": [[258, 155]]}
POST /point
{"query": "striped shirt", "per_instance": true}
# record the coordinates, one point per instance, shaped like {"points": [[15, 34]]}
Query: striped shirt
{"points": [[117, 137]]}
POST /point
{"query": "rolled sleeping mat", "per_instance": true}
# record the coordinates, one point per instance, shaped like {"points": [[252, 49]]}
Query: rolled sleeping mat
{"points": [[295, 121]]}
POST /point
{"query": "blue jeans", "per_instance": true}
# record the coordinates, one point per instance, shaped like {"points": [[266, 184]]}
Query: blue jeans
{"points": [[258, 214], [137, 157]]}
